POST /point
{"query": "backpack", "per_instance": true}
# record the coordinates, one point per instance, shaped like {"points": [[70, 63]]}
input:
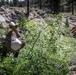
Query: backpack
{"points": [[15, 43]]}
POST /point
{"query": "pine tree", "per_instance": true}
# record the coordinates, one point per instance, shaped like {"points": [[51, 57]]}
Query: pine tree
{"points": [[15, 2], [27, 8]]}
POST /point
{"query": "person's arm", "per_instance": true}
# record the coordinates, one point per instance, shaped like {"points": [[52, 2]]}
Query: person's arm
{"points": [[17, 33], [9, 34]]}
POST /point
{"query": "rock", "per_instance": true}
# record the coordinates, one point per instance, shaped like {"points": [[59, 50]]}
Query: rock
{"points": [[13, 13], [2, 8], [2, 19], [47, 10], [72, 62], [5, 25], [31, 16], [1, 13], [73, 68], [17, 11], [41, 12], [45, 15], [7, 20]]}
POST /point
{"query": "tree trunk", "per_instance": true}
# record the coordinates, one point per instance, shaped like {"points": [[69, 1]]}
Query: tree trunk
{"points": [[52, 5], [25, 2], [56, 6], [72, 8], [2, 2], [15, 2], [27, 8], [40, 4], [7, 1]]}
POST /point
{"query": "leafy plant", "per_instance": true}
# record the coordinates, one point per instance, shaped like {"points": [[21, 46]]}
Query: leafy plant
{"points": [[66, 23], [47, 51], [22, 20]]}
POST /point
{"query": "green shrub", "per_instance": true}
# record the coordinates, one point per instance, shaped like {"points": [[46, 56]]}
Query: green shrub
{"points": [[22, 20], [47, 51], [66, 23]]}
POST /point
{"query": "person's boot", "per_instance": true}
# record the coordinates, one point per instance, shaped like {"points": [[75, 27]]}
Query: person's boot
{"points": [[16, 54]]}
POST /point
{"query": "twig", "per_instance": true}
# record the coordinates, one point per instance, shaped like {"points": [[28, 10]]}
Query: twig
{"points": [[36, 40]]}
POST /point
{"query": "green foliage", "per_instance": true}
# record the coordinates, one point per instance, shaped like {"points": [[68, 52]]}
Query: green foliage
{"points": [[1, 46], [67, 29], [59, 17], [2, 31], [22, 20], [66, 23], [47, 51]]}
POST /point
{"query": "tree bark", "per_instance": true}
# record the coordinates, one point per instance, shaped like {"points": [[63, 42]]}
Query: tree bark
{"points": [[2, 2], [40, 4], [7, 2], [72, 8], [15, 2], [56, 6], [27, 8]]}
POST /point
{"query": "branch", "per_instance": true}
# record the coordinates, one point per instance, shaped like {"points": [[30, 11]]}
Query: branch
{"points": [[36, 40]]}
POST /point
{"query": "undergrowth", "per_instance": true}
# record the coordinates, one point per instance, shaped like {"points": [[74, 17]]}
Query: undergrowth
{"points": [[47, 51]]}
